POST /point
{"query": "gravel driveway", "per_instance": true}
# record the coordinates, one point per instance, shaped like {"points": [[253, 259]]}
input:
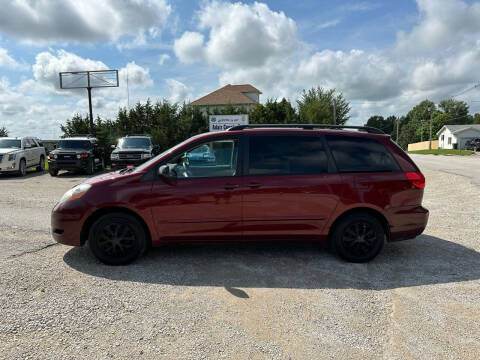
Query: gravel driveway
{"points": [[418, 299]]}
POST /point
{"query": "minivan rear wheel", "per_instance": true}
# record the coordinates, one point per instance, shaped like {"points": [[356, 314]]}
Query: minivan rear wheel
{"points": [[117, 239], [358, 237]]}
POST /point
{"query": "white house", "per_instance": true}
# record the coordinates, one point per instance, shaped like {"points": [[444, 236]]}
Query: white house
{"points": [[455, 136]]}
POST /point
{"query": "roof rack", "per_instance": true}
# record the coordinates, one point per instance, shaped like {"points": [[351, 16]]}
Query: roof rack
{"points": [[146, 135], [368, 129]]}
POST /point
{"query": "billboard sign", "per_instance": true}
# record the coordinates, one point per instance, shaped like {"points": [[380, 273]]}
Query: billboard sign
{"points": [[223, 122]]}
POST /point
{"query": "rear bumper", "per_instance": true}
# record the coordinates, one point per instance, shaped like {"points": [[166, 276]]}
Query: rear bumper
{"points": [[407, 222]]}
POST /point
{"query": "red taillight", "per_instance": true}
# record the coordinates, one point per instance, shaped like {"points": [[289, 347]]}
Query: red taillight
{"points": [[416, 178]]}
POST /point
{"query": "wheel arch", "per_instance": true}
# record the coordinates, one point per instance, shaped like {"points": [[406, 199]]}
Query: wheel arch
{"points": [[383, 220], [111, 209]]}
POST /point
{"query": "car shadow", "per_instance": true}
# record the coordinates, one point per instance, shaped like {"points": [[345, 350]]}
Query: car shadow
{"points": [[30, 174], [423, 261]]}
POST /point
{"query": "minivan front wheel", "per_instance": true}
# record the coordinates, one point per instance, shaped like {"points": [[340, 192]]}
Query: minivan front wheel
{"points": [[358, 237], [117, 239]]}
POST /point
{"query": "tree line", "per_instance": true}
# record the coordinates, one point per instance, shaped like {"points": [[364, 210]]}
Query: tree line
{"points": [[170, 123]]}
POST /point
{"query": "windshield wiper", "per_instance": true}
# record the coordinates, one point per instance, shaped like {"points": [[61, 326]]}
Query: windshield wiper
{"points": [[126, 170]]}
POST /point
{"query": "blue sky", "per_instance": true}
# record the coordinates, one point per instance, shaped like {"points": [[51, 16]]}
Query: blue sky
{"points": [[384, 56]]}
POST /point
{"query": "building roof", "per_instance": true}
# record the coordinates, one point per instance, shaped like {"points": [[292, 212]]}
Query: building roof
{"points": [[229, 94], [459, 128]]}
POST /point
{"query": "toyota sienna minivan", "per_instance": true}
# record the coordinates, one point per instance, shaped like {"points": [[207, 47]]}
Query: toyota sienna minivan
{"points": [[353, 188]]}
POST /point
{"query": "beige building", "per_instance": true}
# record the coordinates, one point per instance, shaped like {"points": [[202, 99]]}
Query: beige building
{"points": [[245, 96]]}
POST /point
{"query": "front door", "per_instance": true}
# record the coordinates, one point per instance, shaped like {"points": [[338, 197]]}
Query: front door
{"points": [[290, 189], [201, 198]]}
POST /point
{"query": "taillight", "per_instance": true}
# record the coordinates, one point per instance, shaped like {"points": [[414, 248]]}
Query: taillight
{"points": [[416, 178]]}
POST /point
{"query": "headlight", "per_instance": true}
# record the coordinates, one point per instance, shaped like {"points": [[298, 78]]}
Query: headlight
{"points": [[146, 156], [75, 193], [78, 156], [12, 157], [114, 156]]}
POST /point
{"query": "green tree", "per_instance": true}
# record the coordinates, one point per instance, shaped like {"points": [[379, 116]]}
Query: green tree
{"points": [[386, 125], [457, 111], [316, 106], [3, 131], [273, 112], [76, 125], [476, 119]]}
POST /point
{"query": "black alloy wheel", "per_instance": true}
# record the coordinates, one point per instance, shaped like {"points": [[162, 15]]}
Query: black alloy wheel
{"points": [[359, 237], [53, 172], [117, 239], [91, 167]]}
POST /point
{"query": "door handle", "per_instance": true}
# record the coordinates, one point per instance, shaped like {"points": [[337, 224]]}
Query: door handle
{"points": [[254, 185], [230, 186]]}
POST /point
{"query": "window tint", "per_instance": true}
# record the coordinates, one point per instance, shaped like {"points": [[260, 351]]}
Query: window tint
{"points": [[283, 155], [212, 159], [354, 154]]}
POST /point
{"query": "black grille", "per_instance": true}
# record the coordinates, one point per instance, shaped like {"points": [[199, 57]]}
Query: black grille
{"points": [[68, 157], [129, 156], [1, 157]]}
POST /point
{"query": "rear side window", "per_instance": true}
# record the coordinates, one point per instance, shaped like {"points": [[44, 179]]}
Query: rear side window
{"points": [[286, 155], [353, 154]]}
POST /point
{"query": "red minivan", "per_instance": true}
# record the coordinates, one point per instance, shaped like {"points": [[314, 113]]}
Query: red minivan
{"points": [[354, 189]]}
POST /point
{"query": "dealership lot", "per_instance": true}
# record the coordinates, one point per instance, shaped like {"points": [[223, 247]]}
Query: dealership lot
{"points": [[418, 299]]}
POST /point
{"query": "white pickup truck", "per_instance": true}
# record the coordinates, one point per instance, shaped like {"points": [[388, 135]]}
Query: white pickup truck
{"points": [[20, 153]]}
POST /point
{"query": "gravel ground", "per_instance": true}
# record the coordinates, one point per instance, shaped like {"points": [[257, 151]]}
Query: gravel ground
{"points": [[418, 299]]}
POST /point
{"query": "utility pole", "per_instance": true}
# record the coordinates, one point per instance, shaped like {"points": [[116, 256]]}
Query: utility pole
{"points": [[430, 143], [334, 112], [422, 130], [398, 125]]}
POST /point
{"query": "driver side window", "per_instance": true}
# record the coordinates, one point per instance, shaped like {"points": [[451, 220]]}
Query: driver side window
{"points": [[212, 159]]}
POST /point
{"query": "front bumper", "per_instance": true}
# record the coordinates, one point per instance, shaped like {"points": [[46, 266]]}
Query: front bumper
{"points": [[124, 163], [8, 166], [75, 164], [67, 220], [407, 222]]}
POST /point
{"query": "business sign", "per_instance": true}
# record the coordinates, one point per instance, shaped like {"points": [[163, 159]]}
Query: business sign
{"points": [[224, 122]]}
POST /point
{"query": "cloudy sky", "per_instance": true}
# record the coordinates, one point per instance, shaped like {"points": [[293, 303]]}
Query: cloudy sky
{"points": [[385, 56]]}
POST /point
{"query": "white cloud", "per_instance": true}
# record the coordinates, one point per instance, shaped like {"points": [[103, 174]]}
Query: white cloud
{"points": [[239, 35], [179, 92], [138, 77], [162, 58], [86, 21], [9, 62], [189, 47]]}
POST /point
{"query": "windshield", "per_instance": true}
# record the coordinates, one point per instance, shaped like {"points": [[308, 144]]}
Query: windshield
{"points": [[74, 144], [132, 143], [172, 149], [10, 143]]}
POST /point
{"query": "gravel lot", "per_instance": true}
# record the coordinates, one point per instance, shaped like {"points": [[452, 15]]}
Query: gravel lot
{"points": [[419, 299]]}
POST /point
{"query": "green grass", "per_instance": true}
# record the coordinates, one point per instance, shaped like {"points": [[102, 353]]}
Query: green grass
{"points": [[443, 152]]}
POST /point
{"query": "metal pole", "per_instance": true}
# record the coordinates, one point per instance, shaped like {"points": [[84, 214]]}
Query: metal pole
{"points": [[422, 131], [398, 125], [430, 143], [334, 113], [89, 89]]}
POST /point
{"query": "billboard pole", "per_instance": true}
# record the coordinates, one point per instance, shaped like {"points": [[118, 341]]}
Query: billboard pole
{"points": [[92, 129]]}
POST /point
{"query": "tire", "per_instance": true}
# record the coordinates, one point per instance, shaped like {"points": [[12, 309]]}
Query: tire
{"points": [[358, 237], [53, 172], [105, 239], [41, 166], [91, 167], [22, 168]]}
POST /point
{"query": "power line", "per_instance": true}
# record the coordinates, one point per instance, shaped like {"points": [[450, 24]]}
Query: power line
{"points": [[466, 90]]}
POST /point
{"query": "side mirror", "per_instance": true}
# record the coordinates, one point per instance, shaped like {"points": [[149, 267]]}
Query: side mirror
{"points": [[156, 149], [164, 171], [113, 146], [54, 146]]}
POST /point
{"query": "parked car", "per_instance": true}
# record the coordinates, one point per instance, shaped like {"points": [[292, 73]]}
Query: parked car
{"points": [[353, 189], [80, 153], [20, 153], [132, 150], [473, 145], [201, 156]]}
